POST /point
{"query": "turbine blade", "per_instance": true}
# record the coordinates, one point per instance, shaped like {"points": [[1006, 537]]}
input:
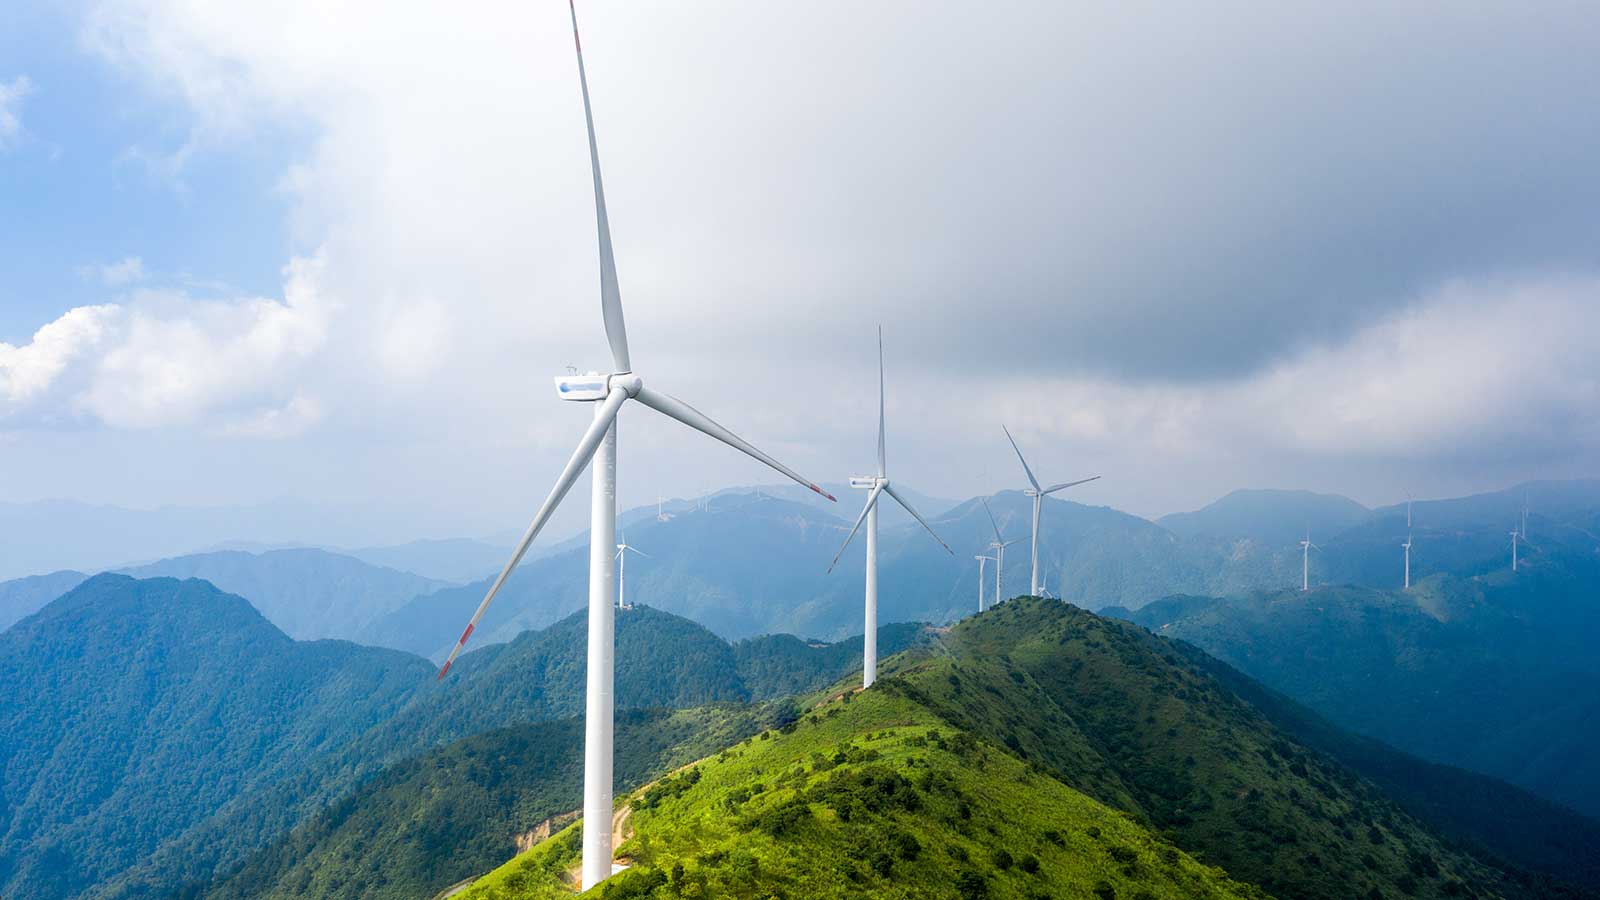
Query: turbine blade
{"points": [[872, 498], [1063, 486], [674, 408], [580, 458], [985, 502], [918, 516], [1031, 480], [610, 293], [641, 553], [883, 462]]}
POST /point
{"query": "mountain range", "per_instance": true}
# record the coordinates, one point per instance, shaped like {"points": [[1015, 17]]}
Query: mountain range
{"points": [[155, 731], [1497, 673], [1034, 750]]}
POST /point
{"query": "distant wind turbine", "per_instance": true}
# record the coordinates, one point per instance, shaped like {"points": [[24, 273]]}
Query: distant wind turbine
{"points": [[623, 549], [1305, 561], [876, 485], [999, 545], [1514, 536], [981, 560], [608, 393], [1407, 547], [1038, 493]]}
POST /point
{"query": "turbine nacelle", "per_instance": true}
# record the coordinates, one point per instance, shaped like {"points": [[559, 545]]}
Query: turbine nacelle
{"points": [[594, 386], [867, 482]]}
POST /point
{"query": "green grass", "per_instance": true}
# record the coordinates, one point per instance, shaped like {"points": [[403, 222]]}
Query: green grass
{"points": [[872, 796]]}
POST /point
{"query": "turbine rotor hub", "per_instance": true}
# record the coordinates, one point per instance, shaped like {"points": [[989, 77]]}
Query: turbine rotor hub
{"points": [[627, 382]]}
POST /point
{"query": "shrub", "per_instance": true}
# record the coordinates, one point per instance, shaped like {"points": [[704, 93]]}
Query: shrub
{"points": [[781, 820], [972, 885]]}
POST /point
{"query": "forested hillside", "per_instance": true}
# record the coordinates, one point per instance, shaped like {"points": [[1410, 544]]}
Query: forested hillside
{"points": [[135, 709], [1497, 674], [160, 731]]}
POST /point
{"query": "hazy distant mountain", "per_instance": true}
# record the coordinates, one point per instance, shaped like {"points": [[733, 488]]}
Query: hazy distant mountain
{"points": [[1269, 516], [26, 596], [1497, 673], [1467, 535], [53, 535], [310, 594], [740, 568], [751, 564], [457, 560]]}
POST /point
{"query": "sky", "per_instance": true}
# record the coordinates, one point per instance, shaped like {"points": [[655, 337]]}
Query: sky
{"points": [[337, 251]]}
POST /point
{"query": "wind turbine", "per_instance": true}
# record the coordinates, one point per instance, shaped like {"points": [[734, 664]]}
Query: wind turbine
{"points": [[1038, 493], [623, 549], [1514, 536], [999, 545], [1407, 547], [608, 393], [981, 561], [1305, 561], [876, 485]]}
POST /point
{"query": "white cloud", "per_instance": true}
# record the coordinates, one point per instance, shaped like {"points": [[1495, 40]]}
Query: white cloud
{"points": [[778, 183], [128, 270], [275, 422], [28, 371], [165, 359], [1475, 370], [11, 94]]}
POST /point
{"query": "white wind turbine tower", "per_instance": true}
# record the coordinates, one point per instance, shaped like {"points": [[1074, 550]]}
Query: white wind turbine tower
{"points": [[876, 485], [623, 549], [1407, 547], [999, 545], [1044, 588], [1305, 561], [608, 393], [1038, 494], [1514, 535], [981, 560]]}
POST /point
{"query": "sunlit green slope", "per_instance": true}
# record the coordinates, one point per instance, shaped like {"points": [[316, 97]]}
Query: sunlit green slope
{"points": [[871, 795]]}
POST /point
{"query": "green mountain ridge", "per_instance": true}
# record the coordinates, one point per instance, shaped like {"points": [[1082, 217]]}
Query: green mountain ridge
{"points": [[1184, 755], [870, 796]]}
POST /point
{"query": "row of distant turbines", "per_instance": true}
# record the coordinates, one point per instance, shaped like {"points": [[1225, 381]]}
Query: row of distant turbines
{"points": [[1519, 535]]}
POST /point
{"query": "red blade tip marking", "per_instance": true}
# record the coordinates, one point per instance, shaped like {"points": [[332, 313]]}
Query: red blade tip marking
{"points": [[466, 634], [443, 670]]}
